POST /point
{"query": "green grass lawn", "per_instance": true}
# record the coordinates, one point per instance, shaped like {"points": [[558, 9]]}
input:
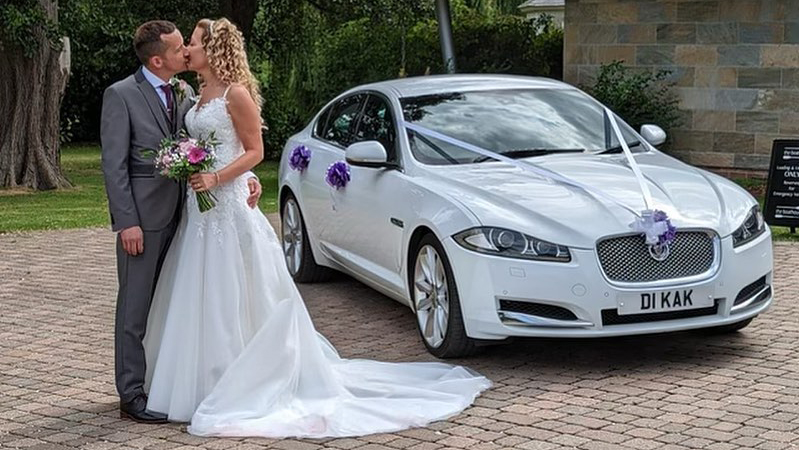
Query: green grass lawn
{"points": [[85, 204]]}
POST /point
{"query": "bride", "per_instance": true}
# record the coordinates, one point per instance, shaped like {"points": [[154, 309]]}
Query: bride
{"points": [[230, 345]]}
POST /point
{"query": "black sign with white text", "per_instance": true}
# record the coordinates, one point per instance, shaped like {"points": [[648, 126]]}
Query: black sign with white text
{"points": [[782, 192]]}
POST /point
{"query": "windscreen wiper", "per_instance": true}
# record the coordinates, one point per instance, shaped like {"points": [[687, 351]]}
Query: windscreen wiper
{"points": [[618, 148], [528, 152]]}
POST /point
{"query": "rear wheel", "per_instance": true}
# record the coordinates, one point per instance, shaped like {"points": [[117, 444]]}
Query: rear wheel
{"points": [[296, 247], [436, 302]]}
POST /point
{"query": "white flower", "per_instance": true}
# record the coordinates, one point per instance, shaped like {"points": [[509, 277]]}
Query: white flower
{"points": [[647, 225], [180, 87]]}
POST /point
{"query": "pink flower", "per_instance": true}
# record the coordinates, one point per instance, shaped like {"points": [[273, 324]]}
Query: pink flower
{"points": [[186, 145], [196, 155]]}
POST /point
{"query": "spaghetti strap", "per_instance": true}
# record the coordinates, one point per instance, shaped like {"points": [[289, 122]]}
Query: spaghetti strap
{"points": [[226, 91]]}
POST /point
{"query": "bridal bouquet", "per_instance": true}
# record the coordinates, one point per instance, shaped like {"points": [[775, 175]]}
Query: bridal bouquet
{"points": [[183, 157]]}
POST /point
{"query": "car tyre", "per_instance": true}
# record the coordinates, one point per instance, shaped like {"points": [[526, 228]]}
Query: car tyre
{"points": [[435, 300]]}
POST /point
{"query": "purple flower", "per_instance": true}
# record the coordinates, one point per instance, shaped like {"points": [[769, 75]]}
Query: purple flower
{"points": [[338, 174], [668, 236], [300, 158]]}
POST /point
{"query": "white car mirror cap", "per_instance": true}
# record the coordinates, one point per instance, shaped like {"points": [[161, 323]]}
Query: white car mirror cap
{"points": [[653, 134], [367, 153]]}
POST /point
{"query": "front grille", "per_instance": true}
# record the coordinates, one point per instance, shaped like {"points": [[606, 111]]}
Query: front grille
{"points": [[626, 259], [537, 309], [612, 317], [749, 290]]}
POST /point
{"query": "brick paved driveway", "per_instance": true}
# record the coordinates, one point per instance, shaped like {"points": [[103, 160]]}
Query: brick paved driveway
{"points": [[57, 293]]}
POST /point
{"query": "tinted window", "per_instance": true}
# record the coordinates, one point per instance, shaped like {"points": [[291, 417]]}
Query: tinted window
{"points": [[508, 120], [340, 126], [377, 124], [319, 130]]}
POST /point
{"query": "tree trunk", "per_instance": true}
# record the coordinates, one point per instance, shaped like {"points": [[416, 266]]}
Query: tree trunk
{"points": [[240, 12], [31, 90]]}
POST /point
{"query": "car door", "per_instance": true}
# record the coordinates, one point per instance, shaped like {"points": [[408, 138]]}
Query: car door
{"points": [[373, 206], [334, 130]]}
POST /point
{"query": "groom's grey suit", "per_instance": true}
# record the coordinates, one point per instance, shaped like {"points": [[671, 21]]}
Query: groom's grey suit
{"points": [[134, 119]]}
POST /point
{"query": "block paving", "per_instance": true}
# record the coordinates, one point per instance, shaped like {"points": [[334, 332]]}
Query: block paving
{"points": [[667, 392]]}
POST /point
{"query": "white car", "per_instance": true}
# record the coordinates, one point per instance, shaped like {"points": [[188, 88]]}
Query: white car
{"points": [[481, 248]]}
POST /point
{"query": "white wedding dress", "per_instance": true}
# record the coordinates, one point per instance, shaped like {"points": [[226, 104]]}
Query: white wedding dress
{"points": [[231, 347]]}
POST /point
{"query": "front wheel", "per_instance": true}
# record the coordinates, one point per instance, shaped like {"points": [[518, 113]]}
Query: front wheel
{"points": [[436, 302]]}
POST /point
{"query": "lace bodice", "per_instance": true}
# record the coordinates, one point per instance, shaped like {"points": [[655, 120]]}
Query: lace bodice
{"points": [[231, 197], [213, 117]]}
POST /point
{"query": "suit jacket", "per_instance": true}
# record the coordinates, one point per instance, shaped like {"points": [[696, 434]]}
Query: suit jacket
{"points": [[135, 119]]}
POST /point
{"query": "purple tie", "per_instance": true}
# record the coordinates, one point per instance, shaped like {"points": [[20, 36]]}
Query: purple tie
{"points": [[169, 102]]}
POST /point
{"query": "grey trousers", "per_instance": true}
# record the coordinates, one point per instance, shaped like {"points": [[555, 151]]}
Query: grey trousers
{"points": [[137, 279]]}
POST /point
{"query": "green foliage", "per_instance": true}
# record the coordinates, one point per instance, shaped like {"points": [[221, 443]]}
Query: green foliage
{"points": [[21, 21], [637, 97], [65, 130], [493, 7]]}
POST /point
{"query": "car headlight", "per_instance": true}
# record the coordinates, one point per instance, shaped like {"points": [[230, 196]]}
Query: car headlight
{"points": [[753, 226], [511, 244]]}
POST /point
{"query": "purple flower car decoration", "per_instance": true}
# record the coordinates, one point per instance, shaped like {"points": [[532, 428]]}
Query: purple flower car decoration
{"points": [[338, 174], [300, 158]]}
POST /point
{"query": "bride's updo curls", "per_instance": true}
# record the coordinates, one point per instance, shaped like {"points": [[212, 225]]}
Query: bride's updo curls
{"points": [[224, 47]]}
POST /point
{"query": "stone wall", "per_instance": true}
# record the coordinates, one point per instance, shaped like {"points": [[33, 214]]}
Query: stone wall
{"points": [[735, 63]]}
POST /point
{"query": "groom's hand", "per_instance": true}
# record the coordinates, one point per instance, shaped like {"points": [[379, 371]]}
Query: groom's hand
{"points": [[255, 192], [132, 240]]}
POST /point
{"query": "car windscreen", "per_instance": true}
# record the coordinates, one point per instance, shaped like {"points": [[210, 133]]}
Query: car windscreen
{"points": [[513, 122]]}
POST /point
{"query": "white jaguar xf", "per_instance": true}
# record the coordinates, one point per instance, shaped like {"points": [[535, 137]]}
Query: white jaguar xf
{"points": [[499, 206]]}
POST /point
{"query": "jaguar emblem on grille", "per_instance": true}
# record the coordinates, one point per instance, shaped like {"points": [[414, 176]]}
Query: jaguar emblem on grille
{"points": [[659, 252]]}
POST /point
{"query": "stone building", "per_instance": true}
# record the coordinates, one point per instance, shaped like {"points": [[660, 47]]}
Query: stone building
{"points": [[735, 62]]}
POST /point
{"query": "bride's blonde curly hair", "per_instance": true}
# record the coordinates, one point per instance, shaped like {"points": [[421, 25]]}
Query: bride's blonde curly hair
{"points": [[224, 47]]}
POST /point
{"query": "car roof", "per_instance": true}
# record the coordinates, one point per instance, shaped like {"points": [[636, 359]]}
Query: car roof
{"points": [[434, 84]]}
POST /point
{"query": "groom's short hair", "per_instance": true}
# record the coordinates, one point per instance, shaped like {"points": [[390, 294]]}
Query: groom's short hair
{"points": [[147, 40]]}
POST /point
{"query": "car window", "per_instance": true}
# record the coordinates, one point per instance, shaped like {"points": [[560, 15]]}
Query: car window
{"points": [[377, 124], [340, 126]]}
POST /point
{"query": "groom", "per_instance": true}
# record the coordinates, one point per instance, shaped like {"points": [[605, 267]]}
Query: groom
{"points": [[138, 112]]}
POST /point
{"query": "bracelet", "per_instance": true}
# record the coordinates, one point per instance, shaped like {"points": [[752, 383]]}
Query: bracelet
{"points": [[216, 174]]}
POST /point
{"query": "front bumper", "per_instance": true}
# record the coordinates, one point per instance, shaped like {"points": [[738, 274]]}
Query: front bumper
{"points": [[575, 299]]}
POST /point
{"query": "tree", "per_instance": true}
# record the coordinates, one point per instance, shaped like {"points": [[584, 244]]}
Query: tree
{"points": [[240, 12], [35, 62]]}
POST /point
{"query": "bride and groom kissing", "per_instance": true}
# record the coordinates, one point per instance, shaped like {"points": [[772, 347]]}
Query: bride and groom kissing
{"points": [[210, 327]]}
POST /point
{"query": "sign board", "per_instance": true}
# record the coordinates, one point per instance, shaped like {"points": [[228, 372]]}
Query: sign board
{"points": [[782, 190]]}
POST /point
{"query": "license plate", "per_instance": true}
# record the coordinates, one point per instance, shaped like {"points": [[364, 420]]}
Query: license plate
{"points": [[664, 300]]}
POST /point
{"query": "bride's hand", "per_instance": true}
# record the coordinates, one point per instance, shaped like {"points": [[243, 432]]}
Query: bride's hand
{"points": [[203, 181]]}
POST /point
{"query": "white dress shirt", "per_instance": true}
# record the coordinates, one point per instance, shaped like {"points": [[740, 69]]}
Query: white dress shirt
{"points": [[156, 82]]}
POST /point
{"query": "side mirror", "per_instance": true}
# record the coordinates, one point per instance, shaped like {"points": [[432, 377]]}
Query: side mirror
{"points": [[653, 134], [367, 154]]}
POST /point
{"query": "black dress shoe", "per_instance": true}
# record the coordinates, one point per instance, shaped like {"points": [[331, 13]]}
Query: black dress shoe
{"points": [[136, 410]]}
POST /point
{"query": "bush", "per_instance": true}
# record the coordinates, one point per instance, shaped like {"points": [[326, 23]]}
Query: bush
{"points": [[637, 97]]}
